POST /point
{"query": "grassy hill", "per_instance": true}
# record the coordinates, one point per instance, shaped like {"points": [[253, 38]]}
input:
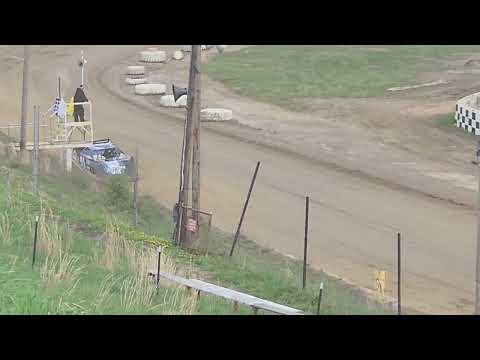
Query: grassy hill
{"points": [[91, 260], [279, 73]]}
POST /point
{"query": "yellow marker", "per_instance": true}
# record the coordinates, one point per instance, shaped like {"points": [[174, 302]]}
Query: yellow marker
{"points": [[380, 283], [70, 107]]}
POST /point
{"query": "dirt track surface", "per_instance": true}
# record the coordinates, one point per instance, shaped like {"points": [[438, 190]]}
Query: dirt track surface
{"points": [[366, 185]]}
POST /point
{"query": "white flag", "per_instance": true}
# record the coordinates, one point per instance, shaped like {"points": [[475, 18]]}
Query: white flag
{"points": [[62, 109], [55, 106]]}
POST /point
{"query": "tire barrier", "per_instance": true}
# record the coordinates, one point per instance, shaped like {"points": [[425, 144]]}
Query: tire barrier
{"points": [[169, 101], [135, 81], [153, 56], [136, 70], [178, 55], [216, 115], [150, 89]]}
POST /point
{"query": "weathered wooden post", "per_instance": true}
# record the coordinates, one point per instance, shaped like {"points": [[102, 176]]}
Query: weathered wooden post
{"points": [[35, 241], [244, 209], [307, 205]]}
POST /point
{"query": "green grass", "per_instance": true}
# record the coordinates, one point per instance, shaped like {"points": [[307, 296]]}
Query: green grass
{"points": [[280, 73], [84, 216]]}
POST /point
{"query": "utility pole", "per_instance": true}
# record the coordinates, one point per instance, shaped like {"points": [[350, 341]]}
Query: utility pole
{"points": [[192, 107], [477, 273], [196, 125], [23, 120]]}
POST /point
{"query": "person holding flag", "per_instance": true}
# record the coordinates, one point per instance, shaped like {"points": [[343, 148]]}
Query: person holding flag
{"points": [[78, 112]]}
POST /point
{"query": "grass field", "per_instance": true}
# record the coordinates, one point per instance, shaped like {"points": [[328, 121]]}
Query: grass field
{"points": [[279, 73], [92, 261]]}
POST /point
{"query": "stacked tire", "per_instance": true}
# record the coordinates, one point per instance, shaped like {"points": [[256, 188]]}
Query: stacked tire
{"points": [[135, 75], [216, 115], [169, 101], [150, 89], [153, 55]]}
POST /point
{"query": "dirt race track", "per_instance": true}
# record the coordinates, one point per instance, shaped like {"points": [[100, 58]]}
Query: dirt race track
{"points": [[366, 181]]}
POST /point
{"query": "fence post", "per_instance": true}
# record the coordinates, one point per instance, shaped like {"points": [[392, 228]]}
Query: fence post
{"points": [[158, 266], [135, 189], [35, 147], [68, 159], [35, 241], [244, 209], [307, 205], [319, 298]]}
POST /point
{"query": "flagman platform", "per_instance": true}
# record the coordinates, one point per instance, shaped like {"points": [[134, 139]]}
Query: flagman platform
{"points": [[57, 128]]}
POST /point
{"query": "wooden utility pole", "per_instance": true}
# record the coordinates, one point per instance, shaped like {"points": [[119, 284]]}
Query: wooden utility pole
{"points": [[192, 108], [23, 120], [196, 125]]}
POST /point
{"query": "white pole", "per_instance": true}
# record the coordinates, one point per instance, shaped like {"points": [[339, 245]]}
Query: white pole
{"points": [[23, 119], [83, 62], [36, 138], [68, 159]]}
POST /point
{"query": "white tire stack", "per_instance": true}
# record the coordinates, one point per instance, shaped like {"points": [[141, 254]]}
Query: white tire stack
{"points": [[216, 115], [178, 55], [150, 89], [135, 81], [169, 101], [153, 56], [136, 70]]}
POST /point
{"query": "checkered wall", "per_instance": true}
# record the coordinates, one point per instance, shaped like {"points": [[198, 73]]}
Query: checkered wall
{"points": [[467, 119]]}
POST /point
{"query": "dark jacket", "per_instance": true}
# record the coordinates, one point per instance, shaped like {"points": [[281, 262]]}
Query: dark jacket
{"points": [[79, 96]]}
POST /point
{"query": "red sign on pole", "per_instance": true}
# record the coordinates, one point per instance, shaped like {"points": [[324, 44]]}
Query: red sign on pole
{"points": [[192, 225]]}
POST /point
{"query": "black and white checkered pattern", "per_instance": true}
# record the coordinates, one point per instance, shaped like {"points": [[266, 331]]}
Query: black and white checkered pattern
{"points": [[55, 106], [467, 119]]}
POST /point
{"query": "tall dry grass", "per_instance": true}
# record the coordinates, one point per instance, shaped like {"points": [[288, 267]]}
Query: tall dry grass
{"points": [[137, 290], [55, 242], [61, 267], [5, 229]]}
